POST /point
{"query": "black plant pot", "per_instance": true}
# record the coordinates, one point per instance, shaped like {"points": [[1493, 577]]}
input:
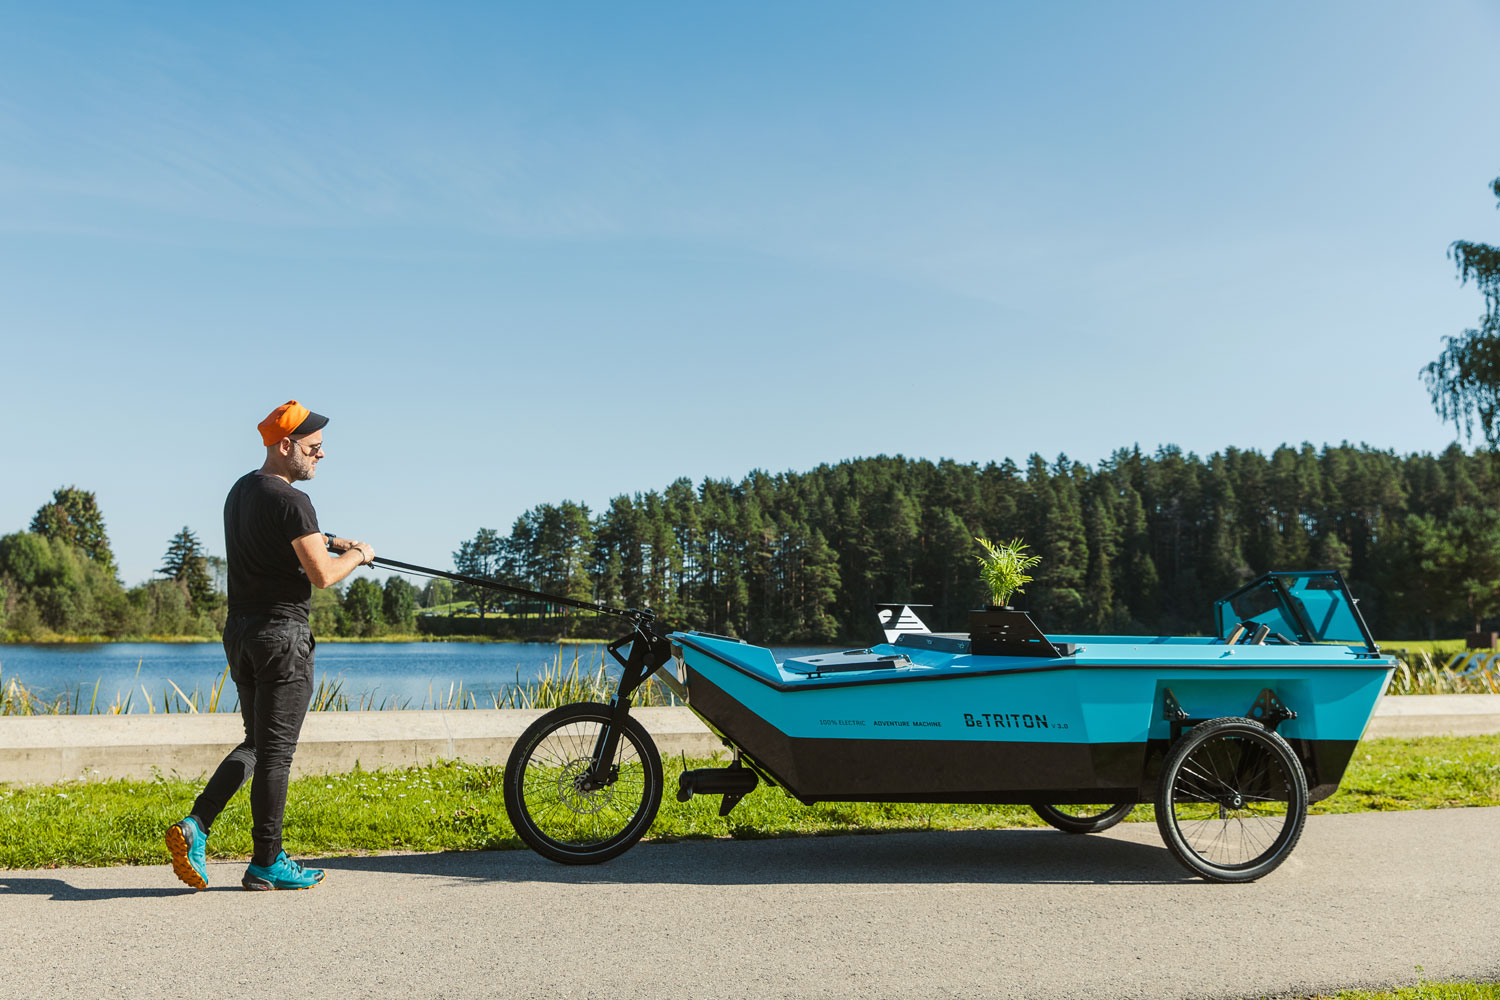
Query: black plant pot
{"points": [[1004, 631]]}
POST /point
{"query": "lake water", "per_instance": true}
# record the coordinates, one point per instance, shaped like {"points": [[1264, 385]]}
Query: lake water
{"points": [[418, 674]]}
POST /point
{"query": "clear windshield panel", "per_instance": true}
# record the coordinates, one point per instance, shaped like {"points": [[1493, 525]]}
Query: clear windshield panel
{"points": [[1325, 607], [1303, 607], [1260, 604]]}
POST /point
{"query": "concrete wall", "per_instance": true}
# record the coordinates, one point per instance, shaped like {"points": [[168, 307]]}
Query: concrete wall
{"points": [[46, 748], [51, 748]]}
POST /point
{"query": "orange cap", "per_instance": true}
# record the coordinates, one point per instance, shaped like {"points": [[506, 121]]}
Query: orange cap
{"points": [[287, 420]]}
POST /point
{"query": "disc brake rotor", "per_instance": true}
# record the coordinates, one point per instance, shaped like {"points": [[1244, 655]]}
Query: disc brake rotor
{"points": [[577, 799]]}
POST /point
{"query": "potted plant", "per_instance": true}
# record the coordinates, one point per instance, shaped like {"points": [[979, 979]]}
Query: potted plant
{"points": [[999, 629], [1003, 569]]}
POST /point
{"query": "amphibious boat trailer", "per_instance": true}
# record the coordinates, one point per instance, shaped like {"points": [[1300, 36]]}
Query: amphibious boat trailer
{"points": [[1228, 736]]}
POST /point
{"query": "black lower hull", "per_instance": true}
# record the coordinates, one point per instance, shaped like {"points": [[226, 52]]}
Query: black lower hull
{"points": [[965, 771]]}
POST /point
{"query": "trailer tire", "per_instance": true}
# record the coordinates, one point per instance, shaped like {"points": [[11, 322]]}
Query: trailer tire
{"points": [[558, 819], [1232, 800], [1083, 818]]}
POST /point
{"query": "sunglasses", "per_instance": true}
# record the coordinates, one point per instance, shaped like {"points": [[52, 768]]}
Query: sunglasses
{"points": [[315, 448]]}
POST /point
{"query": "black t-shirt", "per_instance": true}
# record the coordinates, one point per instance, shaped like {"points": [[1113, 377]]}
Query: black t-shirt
{"points": [[262, 516]]}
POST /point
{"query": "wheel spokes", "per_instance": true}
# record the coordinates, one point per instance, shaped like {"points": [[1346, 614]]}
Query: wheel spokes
{"points": [[1230, 800], [551, 786]]}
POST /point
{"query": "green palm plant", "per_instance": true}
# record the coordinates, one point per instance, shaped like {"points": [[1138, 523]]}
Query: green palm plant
{"points": [[1003, 568]]}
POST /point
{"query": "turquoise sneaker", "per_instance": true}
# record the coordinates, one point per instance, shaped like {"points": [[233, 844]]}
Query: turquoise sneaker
{"points": [[283, 874], [186, 843]]}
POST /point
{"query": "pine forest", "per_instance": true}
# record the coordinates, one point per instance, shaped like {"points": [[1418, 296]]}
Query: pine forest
{"points": [[1141, 543]]}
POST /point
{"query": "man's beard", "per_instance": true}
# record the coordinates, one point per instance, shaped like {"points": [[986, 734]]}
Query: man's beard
{"points": [[303, 470]]}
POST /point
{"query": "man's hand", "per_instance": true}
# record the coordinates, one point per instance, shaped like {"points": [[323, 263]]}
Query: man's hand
{"points": [[342, 545], [322, 568]]}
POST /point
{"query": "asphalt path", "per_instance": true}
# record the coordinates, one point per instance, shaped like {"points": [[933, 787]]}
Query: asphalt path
{"points": [[1365, 900]]}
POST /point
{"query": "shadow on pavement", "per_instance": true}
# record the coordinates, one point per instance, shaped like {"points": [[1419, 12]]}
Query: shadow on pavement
{"points": [[999, 857], [60, 890]]}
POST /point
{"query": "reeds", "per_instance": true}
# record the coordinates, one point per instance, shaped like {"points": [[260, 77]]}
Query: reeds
{"points": [[561, 685], [1472, 672], [17, 699]]}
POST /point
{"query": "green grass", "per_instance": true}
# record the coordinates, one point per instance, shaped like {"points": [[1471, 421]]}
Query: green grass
{"points": [[456, 806], [1422, 991], [1434, 772], [452, 607]]}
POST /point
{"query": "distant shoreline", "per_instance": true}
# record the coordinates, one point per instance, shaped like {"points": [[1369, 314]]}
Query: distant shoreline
{"points": [[186, 640]]}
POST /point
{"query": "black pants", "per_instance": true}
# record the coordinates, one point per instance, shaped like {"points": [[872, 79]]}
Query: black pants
{"points": [[271, 663]]}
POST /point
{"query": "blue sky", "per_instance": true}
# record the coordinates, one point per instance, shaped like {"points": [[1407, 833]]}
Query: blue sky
{"points": [[521, 253]]}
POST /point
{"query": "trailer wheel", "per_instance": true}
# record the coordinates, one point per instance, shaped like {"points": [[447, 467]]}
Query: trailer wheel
{"points": [[545, 786], [1232, 800], [1084, 819]]}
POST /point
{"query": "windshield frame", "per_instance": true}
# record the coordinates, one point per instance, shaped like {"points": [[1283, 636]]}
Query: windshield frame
{"points": [[1279, 584]]}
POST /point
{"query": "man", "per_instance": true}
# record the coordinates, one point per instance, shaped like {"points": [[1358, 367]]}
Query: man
{"points": [[276, 555]]}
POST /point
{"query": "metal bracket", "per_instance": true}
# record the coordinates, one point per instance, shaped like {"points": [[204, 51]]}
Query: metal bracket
{"points": [[1269, 710], [729, 800], [1174, 713]]}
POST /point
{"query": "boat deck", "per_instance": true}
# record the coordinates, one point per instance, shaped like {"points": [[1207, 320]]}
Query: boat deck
{"points": [[927, 656]]}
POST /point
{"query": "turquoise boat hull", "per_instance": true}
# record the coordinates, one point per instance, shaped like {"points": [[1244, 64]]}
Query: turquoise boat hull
{"points": [[924, 719]]}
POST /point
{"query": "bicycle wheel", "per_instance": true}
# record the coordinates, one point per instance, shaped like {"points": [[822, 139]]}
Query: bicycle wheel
{"points": [[547, 795], [1232, 800], [1084, 818]]}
